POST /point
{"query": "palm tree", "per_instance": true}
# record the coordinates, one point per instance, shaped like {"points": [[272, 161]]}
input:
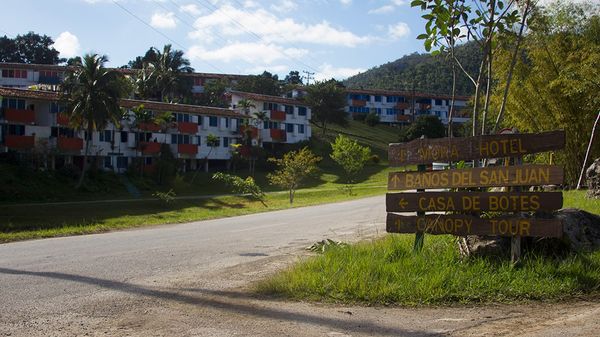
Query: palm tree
{"points": [[260, 117], [165, 121], [92, 94], [245, 105], [212, 142], [140, 116], [167, 67]]}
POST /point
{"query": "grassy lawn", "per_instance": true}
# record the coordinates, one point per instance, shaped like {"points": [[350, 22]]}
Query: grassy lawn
{"points": [[385, 271]]}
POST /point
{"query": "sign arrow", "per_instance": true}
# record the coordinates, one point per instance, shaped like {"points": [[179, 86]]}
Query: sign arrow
{"points": [[403, 203], [395, 180]]}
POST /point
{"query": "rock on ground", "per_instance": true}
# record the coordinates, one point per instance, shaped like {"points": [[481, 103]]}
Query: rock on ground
{"points": [[592, 175]]}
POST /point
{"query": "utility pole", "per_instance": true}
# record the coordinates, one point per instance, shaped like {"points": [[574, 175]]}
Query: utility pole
{"points": [[308, 76]]}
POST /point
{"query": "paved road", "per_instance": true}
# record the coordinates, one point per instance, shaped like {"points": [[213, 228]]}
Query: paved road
{"points": [[191, 280]]}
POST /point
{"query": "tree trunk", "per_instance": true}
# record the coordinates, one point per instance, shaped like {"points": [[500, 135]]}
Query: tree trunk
{"points": [[451, 113], [291, 196], [85, 156]]}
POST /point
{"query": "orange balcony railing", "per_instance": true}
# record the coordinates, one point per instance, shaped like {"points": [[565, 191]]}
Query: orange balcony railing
{"points": [[187, 127], [149, 127], [402, 105], [424, 106], [19, 142], [19, 115], [278, 115], [70, 144], [403, 118], [187, 148], [278, 135], [149, 147], [253, 131], [358, 102], [62, 119]]}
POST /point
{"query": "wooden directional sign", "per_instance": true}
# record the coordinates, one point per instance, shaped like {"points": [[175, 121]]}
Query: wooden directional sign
{"points": [[526, 175], [458, 224], [474, 201], [425, 151]]}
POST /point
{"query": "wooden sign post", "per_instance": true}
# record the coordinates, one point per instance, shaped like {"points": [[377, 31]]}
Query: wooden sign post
{"points": [[459, 202]]}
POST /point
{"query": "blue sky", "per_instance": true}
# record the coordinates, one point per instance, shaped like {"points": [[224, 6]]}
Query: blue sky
{"points": [[334, 38]]}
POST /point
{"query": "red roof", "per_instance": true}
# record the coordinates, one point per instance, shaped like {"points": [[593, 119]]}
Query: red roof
{"points": [[267, 98], [404, 93]]}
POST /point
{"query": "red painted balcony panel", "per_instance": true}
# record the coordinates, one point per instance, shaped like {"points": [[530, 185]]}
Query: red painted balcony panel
{"points": [[19, 142], [187, 127], [278, 135], [358, 102], [149, 168], [149, 147], [62, 119], [402, 105], [70, 144], [424, 106], [19, 115], [149, 127], [403, 118], [253, 131], [278, 115], [187, 148]]}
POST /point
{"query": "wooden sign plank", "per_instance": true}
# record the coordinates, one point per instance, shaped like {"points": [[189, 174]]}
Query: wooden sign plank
{"points": [[462, 225], [474, 201], [425, 151], [526, 175]]}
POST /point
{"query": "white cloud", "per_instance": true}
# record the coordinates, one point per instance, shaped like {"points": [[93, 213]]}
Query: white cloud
{"points": [[274, 69], [191, 9], [274, 29], [399, 30], [284, 6], [346, 2], [250, 52], [250, 4], [163, 20], [399, 2], [327, 71], [67, 44], [382, 10]]}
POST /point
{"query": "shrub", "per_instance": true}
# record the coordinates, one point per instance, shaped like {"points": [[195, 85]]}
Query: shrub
{"points": [[372, 119]]}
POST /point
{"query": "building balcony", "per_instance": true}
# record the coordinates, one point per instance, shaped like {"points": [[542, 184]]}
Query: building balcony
{"points": [[187, 149], [152, 127], [70, 144], [19, 142], [249, 129], [424, 106], [49, 80], [19, 115], [402, 105], [149, 147], [277, 115], [403, 118], [278, 135], [187, 127], [358, 102], [62, 119]]}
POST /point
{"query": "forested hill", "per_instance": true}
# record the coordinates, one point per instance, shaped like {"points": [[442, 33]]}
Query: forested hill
{"points": [[426, 73]]}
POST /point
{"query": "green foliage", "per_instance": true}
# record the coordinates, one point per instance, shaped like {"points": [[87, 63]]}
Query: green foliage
{"points": [[327, 101], [214, 94], [421, 73], [212, 141], [241, 186], [265, 83], [425, 125], [556, 81], [292, 169], [29, 48], [165, 197], [372, 119], [166, 165], [350, 155], [325, 245]]}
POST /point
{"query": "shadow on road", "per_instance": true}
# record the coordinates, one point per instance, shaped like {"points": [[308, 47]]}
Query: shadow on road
{"points": [[217, 300]]}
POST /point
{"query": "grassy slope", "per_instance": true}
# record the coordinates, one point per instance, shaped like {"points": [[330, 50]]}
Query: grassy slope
{"points": [[385, 271]]}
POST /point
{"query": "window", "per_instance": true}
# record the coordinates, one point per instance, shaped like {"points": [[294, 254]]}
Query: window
{"points": [[13, 103], [148, 160], [438, 102], [122, 162], [301, 111], [62, 132], [377, 98], [144, 136], [391, 112], [182, 117], [107, 162], [213, 121], [289, 128], [200, 118], [300, 128], [199, 140], [180, 139], [226, 122], [266, 125], [56, 108], [105, 136], [289, 109], [225, 141], [270, 106], [14, 73], [197, 81], [16, 130], [124, 136]]}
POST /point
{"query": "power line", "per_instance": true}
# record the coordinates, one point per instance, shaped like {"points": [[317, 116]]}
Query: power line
{"points": [[308, 76], [161, 33], [257, 36]]}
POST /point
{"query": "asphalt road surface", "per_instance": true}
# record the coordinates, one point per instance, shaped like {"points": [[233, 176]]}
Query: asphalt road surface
{"points": [[192, 280]]}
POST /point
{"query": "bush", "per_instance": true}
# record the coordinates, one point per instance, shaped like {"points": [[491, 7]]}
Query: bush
{"points": [[372, 119], [359, 117], [375, 159]]}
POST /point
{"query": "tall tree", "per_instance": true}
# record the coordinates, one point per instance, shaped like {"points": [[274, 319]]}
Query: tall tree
{"points": [[265, 83], [292, 169], [29, 48], [92, 93], [327, 101]]}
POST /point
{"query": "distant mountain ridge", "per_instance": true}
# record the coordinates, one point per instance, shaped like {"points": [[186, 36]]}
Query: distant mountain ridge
{"points": [[421, 72]]}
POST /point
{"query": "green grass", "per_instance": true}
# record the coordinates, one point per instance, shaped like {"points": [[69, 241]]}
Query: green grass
{"points": [[385, 271]]}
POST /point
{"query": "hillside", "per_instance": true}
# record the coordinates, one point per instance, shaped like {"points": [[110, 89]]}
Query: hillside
{"points": [[421, 72]]}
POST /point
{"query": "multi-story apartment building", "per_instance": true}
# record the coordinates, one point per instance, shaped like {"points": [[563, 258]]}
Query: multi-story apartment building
{"points": [[32, 121], [288, 120], [402, 107]]}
